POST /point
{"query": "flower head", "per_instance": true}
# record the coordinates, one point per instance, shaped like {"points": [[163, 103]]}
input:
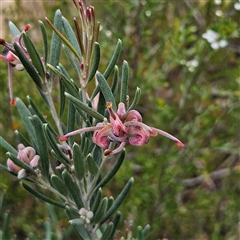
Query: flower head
{"points": [[124, 127], [26, 155], [9, 55]]}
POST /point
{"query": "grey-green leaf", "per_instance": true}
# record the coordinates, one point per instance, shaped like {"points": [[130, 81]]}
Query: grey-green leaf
{"points": [[113, 60], [79, 163], [124, 82], [84, 107], [52, 142], [41, 196], [25, 115], [106, 90], [112, 171], [58, 184], [28, 66], [72, 188], [14, 30], [71, 35], [42, 146], [7, 146], [45, 41], [36, 60], [136, 99], [56, 43], [95, 61], [100, 211], [118, 200], [108, 232]]}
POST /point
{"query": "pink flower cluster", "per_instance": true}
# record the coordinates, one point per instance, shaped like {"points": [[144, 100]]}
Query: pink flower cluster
{"points": [[125, 126], [9, 55], [26, 155]]}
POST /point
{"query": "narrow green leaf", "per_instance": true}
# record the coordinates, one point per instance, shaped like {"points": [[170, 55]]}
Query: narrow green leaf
{"points": [[5, 227], [106, 90], [67, 83], [78, 160], [36, 60], [92, 167], [79, 36], [48, 230], [41, 196], [52, 142], [56, 43], [62, 99], [124, 82], [77, 221], [84, 107], [112, 171], [25, 114], [118, 200], [72, 188], [71, 35], [7, 146], [140, 233], [42, 146], [136, 99], [74, 61], [95, 61], [65, 40], [28, 66], [58, 184], [114, 87], [2, 200], [110, 66], [22, 139], [96, 200], [108, 232], [110, 202], [146, 231], [115, 221], [45, 41], [100, 211], [40, 115], [21, 164], [71, 121], [13, 29], [113, 60], [81, 230]]}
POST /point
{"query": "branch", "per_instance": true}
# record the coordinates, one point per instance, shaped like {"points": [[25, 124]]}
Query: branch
{"points": [[192, 182]]}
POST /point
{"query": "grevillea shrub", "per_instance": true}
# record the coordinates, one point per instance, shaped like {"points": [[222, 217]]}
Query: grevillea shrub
{"points": [[91, 128]]}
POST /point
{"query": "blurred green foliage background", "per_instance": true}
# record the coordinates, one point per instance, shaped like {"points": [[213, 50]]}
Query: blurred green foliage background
{"points": [[190, 88]]}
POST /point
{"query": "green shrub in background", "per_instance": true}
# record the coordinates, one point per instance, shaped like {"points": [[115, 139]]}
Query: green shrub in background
{"points": [[190, 83]]}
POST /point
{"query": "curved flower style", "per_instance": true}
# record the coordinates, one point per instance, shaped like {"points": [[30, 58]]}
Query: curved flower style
{"points": [[28, 156], [9, 55], [123, 127]]}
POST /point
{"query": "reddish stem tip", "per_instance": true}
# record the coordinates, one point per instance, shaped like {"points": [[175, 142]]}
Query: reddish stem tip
{"points": [[2, 41], [180, 144], [13, 102], [107, 152]]}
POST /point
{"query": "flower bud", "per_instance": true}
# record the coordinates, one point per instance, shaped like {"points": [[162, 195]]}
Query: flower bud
{"points": [[12, 166], [22, 174]]}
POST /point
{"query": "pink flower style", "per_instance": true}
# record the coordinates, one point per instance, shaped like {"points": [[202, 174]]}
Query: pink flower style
{"points": [[9, 55], [27, 155], [124, 127]]}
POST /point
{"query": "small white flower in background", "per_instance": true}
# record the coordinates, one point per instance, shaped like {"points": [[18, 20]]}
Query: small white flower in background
{"points": [[237, 5], [214, 39]]}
